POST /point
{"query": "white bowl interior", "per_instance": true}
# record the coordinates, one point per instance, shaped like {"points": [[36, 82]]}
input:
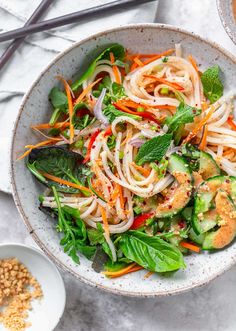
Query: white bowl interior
{"points": [[36, 109], [47, 311]]}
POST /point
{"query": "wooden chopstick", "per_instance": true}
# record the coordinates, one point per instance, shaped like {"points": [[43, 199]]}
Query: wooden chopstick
{"points": [[43, 6], [70, 18]]}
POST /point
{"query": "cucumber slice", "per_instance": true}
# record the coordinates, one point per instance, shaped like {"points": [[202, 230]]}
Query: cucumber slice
{"points": [[227, 226], [203, 203], [207, 166], [197, 238], [180, 192]]}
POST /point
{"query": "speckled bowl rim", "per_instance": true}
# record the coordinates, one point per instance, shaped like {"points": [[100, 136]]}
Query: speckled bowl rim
{"points": [[228, 23], [14, 188]]}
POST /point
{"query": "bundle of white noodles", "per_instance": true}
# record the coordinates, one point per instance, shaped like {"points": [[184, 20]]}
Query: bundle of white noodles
{"points": [[220, 138], [127, 177]]}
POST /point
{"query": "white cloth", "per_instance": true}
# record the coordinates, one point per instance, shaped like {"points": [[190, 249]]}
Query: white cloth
{"points": [[38, 50]]}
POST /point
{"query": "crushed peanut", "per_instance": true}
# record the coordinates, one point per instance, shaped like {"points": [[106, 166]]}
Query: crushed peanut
{"points": [[17, 289]]}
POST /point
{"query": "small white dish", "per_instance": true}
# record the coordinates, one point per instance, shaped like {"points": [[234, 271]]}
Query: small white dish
{"points": [[46, 312]]}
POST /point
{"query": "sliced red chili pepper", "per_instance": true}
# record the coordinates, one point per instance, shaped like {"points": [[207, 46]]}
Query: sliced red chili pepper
{"points": [[90, 145], [140, 220], [108, 132]]}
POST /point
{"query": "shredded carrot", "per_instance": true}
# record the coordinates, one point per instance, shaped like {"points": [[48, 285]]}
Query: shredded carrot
{"points": [[158, 56], [131, 103], [86, 91], [149, 56], [70, 106], [65, 182], [121, 197], [131, 268], [45, 126], [194, 63], [104, 219], [231, 123], [204, 105], [145, 172], [193, 133], [189, 246], [138, 61], [31, 147], [166, 82], [203, 143], [115, 69], [133, 67], [114, 194], [229, 151], [148, 274]]}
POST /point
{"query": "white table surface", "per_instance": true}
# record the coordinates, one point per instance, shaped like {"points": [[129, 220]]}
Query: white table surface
{"points": [[210, 308]]}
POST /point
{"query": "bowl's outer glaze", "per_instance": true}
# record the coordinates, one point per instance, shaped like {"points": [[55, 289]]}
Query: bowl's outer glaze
{"points": [[145, 38], [227, 18]]}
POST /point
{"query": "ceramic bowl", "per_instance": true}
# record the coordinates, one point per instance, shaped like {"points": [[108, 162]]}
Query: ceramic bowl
{"points": [[46, 312], [145, 38], [227, 18]]}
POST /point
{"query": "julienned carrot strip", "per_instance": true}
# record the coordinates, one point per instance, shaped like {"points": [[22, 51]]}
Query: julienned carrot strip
{"points": [[104, 219], [231, 123], [164, 81], [192, 134], [158, 56], [121, 197], [86, 91], [115, 69], [45, 126], [65, 182], [143, 114], [70, 106], [138, 61], [189, 246], [147, 56], [143, 171], [131, 268], [194, 63], [148, 274], [203, 143], [133, 67], [43, 143]]}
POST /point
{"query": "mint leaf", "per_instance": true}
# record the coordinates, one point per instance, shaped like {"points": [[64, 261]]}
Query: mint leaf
{"points": [[212, 85], [184, 114], [154, 149], [112, 113]]}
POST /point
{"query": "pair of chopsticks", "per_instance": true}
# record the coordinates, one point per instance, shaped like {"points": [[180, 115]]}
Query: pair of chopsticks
{"points": [[32, 26]]}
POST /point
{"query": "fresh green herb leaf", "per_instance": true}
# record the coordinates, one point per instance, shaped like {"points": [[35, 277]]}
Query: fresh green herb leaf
{"points": [[184, 114], [58, 98], [154, 149], [212, 85], [165, 59], [96, 236], [114, 266], [111, 142], [112, 113], [152, 253], [138, 210], [160, 168], [116, 49], [60, 162]]}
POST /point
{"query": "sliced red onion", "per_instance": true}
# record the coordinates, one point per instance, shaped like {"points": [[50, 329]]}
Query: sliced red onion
{"points": [[136, 142], [98, 108]]}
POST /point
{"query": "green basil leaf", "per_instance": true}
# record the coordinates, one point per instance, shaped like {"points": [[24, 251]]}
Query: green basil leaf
{"points": [[154, 149], [152, 253], [87, 251], [112, 113], [212, 85], [116, 49]]}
